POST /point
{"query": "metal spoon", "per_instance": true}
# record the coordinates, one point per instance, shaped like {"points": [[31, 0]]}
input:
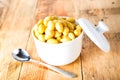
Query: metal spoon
{"points": [[22, 56]]}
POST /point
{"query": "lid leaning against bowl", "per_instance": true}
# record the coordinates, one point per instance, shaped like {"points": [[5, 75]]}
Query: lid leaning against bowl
{"points": [[95, 33]]}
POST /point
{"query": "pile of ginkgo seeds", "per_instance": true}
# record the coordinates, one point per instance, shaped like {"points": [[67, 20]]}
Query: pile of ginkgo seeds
{"points": [[54, 30]]}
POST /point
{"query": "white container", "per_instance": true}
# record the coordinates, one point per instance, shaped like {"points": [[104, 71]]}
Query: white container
{"points": [[59, 54]]}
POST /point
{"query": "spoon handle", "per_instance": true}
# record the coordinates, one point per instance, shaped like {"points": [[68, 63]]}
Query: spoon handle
{"points": [[61, 71]]}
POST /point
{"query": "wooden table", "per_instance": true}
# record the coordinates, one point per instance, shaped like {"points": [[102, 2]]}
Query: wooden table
{"points": [[17, 19]]}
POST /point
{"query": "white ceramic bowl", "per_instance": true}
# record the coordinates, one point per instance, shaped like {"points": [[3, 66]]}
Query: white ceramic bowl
{"points": [[59, 54]]}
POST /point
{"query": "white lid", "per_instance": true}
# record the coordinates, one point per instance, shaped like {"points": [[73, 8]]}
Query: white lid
{"points": [[95, 33]]}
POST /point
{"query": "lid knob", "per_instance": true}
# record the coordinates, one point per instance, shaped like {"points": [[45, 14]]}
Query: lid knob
{"points": [[101, 27]]}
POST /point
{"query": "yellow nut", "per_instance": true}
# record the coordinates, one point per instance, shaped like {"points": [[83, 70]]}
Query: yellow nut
{"points": [[66, 31], [40, 22], [70, 19], [64, 23], [65, 39], [61, 18], [57, 34], [51, 25], [51, 18], [59, 27], [47, 37], [71, 30], [41, 28], [47, 18], [55, 21], [52, 41], [70, 25], [78, 27], [54, 17], [35, 31], [41, 37], [77, 32], [36, 34], [49, 34], [71, 36], [45, 22], [59, 38]]}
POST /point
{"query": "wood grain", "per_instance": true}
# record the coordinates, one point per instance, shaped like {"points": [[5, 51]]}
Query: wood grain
{"points": [[97, 65], [14, 34], [18, 18]]}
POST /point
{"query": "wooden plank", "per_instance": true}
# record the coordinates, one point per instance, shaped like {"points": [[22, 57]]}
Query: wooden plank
{"points": [[98, 65], [31, 71], [46, 8], [76, 7], [3, 10], [93, 4], [14, 34], [5, 50]]}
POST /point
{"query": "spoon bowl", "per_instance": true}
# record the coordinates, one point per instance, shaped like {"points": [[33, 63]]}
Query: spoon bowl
{"points": [[20, 55]]}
